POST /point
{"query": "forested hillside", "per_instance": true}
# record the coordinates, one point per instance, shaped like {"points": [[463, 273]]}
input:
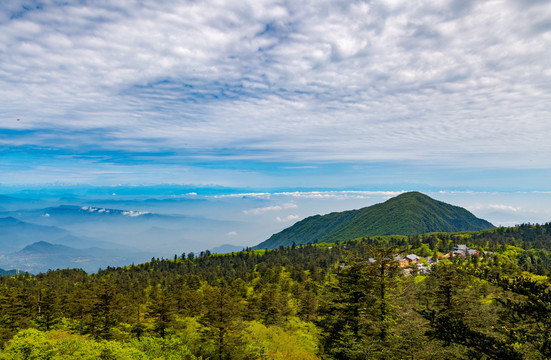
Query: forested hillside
{"points": [[306, 302], [406, 214]]}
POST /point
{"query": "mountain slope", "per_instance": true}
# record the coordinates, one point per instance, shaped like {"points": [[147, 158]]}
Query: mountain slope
{"points": [[407, 214]]}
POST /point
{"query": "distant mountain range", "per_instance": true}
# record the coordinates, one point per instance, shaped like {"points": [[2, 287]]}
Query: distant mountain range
{"points": [[15, 234], [41, 244], [65, 213], [42, 256], [90, 237], [406, 214]]}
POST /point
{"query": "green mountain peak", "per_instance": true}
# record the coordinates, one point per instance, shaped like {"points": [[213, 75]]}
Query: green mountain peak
{"points": [[409, 213]]}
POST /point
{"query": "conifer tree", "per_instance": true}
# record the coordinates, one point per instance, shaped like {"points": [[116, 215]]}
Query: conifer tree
{"points": [[222, 320], [46, 315], [161, 309], [103, 312]]}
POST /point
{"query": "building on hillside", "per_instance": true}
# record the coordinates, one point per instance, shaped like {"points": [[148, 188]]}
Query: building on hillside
{"points": [[412, 259], [407, 260], [402, 262], [463, 250]]}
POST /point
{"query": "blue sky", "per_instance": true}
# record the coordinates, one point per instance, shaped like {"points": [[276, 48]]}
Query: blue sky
{"points": [[277, 94]]}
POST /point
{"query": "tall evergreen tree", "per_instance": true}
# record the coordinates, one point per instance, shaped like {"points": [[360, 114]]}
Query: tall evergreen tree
{"points": [[46, 315], [222, 321], [161, 309], [103, 317]]}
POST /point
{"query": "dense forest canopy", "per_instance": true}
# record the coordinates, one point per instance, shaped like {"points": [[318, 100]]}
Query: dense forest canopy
{"points": [[347, 300]]}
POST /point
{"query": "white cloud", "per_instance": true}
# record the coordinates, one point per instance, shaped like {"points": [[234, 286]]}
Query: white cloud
{"points": [[262, 210], [260, 195], [424, 82], [288, 218], [134, 213], [231, 233], [328, 194], [339, 195], [499, 207]]}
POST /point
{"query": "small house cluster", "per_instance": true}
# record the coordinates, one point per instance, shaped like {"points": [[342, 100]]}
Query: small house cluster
{"points": [[407, 260], [463, 250], [412, 261]]}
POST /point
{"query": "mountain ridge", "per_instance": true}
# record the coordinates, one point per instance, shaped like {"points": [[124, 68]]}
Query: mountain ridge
{"points": [[16, 233], [410, 213], [42, 256]]}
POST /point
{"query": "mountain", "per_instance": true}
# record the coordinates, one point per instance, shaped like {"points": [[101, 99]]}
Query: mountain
{"points": [[226, 248], [406, 214], [64, 215], [85, 226], [45, 248], [42, 256], [16, 233], [8, 272]]}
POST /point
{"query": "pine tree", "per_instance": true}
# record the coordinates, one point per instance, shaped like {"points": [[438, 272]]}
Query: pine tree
{"points": [[453, 318], [161, 309], [222, 320], [47, 310], [103, 312]]}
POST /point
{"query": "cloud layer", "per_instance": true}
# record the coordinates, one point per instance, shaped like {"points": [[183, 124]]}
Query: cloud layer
{"points": [[461, 84]]}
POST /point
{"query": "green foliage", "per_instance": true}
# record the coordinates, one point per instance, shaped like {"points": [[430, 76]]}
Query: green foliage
{"points": [[168, 348], [31, 344], [298, 341]]}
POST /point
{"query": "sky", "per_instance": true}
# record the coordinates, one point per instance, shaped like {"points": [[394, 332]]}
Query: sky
{"points": [[366, 95]]}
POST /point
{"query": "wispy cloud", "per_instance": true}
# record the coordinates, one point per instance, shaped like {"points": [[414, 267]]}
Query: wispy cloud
{"points": [[499, 207], [288, 218], [340, 195], [461, 84], [262, 210]]}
